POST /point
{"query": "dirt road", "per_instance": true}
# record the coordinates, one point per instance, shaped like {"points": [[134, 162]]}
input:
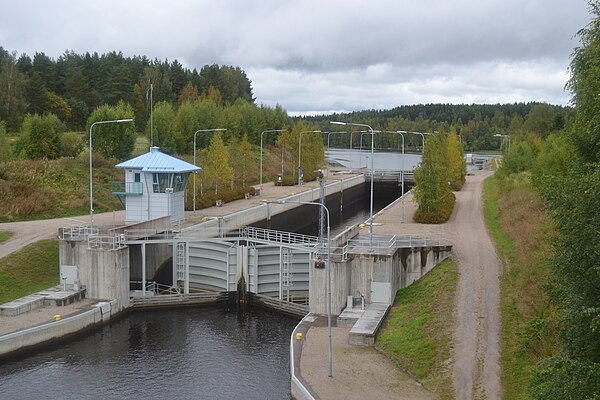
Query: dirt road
{"points": [[476, 367]]}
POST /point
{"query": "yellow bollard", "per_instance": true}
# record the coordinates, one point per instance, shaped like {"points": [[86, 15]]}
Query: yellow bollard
{"points": [[298, 335], [57, 317], [362, 226]]}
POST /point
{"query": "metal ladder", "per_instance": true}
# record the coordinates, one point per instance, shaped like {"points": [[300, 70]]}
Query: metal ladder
{"points": [[181, 261], [287, 278]]}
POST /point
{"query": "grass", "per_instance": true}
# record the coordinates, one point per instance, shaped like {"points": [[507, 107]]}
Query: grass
{"points": [[518, 224], [5, 235], [33, 268], [418, 331], [38, 189]]}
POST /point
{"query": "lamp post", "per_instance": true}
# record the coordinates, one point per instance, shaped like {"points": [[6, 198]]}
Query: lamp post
{"points": [[300, 151], [261, 147], [91, 188], [329, 357], [329, 134], [372, 171], [196, 173]]}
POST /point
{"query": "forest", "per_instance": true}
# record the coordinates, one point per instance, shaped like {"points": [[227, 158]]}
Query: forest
{"points": [[73, 85]]}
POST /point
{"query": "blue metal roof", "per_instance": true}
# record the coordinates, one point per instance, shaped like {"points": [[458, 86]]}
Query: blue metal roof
{"points": [[155, 161]]}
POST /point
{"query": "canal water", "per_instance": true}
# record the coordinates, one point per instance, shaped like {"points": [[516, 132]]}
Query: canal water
{"points": [[189, 353]]}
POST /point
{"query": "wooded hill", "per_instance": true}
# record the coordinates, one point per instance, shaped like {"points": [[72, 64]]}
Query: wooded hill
{"points": [[73, 85]]}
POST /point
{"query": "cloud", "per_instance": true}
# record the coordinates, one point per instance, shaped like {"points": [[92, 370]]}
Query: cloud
{"points": [[323, 55]]}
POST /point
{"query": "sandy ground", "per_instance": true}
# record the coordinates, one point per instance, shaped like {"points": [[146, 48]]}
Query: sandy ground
{"points": [[358, 372]]}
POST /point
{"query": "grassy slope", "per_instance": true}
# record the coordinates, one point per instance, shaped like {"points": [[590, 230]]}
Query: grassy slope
{"points": [[418, 330], [5, 235], [518, 225], [31, 269]]}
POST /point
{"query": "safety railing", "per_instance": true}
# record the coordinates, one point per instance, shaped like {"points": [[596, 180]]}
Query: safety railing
{"points": [[106, 242], [153, 287], [277, 236], [381, 244], [77, 232]]}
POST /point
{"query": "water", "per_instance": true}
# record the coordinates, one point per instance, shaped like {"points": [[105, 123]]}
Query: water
{"points": [[202, 353]]}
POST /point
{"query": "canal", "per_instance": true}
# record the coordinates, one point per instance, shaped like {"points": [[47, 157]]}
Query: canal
{"points": [[199, 353], [188, 353]]}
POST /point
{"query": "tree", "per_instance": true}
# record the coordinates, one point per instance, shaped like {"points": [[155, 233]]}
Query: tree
{"points": [[242, 160], [189, 93], [35, 93], [573, 202], [114, 139], [41, 136], [432, 190], [217, 173], [12, 98], [456, 160], [164, 127]]}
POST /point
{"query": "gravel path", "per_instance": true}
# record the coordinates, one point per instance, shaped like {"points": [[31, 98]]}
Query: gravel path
{"points": [[476, 364]]}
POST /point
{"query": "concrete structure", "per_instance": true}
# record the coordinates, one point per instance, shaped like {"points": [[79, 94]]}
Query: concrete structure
{"points": [[154, 186]]}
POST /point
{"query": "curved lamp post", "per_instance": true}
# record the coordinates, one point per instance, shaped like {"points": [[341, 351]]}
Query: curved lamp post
{"points": [[330, 367], [372, 157], [196, 172], [261, 147], [116, 121]]}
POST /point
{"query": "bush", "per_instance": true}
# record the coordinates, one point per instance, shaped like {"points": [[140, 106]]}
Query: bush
{"points": [[442, 215], [70, 144]]}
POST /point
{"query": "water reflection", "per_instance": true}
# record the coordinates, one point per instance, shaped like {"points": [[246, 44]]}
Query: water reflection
{"points": [[206, 353]]}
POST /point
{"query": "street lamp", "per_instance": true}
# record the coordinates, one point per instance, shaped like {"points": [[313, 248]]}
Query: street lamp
{"points": [[91, 189], [330, 367], [329, 134], [300, 151], [196, 173], [372, 171], [261, 147]]}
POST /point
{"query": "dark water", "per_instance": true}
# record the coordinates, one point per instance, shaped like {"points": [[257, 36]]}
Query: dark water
{"points": [[202, 353]]}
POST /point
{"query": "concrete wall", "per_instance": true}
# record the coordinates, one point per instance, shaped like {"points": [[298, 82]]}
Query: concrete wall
{"points": [[56, 330], [104, 273], [356, 275]]}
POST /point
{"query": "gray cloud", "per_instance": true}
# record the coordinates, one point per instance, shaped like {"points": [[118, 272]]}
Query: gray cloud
{"points": [[330, 55]]}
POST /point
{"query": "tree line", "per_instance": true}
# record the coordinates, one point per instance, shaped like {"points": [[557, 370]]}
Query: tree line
{"points": [[73, 85], [565, 169], [479, 126]]}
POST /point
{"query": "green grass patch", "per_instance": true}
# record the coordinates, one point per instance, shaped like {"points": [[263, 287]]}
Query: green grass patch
{"points": [[504, 243], [31, 269], [5, 235], [418, 330], [518, 224]]}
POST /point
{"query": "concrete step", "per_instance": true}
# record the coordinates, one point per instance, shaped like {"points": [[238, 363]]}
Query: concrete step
{"points": [[22, 305], [366, 327]]}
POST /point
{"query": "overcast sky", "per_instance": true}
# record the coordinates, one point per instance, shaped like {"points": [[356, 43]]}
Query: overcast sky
{"points": [[329, 55]]}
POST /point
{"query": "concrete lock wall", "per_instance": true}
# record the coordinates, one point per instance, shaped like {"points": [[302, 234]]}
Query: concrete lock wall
{"points": [[362, 274], [56, 330], [104, 273]]}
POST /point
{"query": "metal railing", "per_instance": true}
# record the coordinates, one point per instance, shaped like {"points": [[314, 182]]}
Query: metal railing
{"points": [[77, 232], [278, 236], [106, 242], [154, 287], [381, 244]]}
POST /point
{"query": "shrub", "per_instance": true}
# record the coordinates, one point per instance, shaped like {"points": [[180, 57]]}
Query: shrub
{"points": [[70, 144]]}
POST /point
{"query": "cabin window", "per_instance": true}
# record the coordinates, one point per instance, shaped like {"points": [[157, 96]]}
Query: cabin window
{"points": [[176, 181]]}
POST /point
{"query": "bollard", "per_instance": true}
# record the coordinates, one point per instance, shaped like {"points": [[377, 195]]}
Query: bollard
{"points": [[57, 317], [298, 335]]}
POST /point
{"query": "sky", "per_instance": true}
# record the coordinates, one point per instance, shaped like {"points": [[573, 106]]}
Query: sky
{"points": [[323, 56]]}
